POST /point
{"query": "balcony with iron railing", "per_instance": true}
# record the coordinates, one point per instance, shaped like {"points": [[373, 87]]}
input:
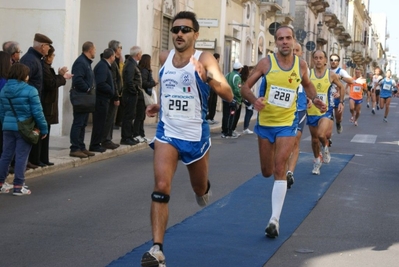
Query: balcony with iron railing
{"points": [[284, 18], [339, 29], [270, 7], [345, 39]]}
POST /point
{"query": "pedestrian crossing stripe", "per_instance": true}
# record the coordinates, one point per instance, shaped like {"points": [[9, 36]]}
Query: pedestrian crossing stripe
{"points": [[364, 138], [358, 138]]}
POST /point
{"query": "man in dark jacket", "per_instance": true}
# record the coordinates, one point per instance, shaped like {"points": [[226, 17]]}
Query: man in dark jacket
{"points": [[32, 59], [131, 86], [104, 93], [114, 104], [82, 81]]}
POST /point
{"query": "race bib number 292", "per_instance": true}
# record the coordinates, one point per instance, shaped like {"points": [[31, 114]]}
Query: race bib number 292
{"points": [[183, 108]]}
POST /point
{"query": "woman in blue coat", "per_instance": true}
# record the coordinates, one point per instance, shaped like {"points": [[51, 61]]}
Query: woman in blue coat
{"points": [[26, 102]]}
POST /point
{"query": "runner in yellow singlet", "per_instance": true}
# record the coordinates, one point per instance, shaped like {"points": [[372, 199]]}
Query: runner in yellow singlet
{"points": [[321, 122], [277, 122]]}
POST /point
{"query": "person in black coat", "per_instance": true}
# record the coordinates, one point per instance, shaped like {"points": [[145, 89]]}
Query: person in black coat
{"points": [[51, 83], [147, 84], [104, 93], [32, 59], [82, 81], [115, 103], [131, 89]]}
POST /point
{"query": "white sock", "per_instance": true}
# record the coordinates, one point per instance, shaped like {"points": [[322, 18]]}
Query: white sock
{"points": [[278, 196]]}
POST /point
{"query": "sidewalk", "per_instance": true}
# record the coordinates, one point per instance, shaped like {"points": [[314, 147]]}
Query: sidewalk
{"points": [[59, 148]]}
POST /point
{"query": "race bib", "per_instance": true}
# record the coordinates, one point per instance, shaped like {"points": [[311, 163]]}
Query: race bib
{"points": [[281, 97], [179, 107], [322, 97], [386, 86], [357, 88]]}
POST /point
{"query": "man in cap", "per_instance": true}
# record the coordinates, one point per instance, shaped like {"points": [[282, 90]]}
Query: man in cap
{"points": [[32, 59], [232, 111]]}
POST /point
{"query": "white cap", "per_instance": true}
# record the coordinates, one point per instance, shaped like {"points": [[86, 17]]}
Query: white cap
{"points": [[237, 66]]}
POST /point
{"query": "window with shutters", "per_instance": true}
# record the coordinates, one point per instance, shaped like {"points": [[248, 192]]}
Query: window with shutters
{"points": [[165, 33]]}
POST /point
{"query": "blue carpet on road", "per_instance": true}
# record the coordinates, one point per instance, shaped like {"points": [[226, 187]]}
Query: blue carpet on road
{"points": [[230, 232]]}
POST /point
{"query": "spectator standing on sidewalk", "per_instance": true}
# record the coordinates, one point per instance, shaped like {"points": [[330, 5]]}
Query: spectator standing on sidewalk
{"points": [[212, 100], [105, 93], [33, 59], [231, 114], [26, 103], [5, 65], [131, 89], [83, 81], [148, 84], [12, 48], [115, 102], [249, 108], [51, 83]]}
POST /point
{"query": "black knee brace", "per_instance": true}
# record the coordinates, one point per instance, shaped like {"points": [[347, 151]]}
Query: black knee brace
{"points": [[160, 197]]}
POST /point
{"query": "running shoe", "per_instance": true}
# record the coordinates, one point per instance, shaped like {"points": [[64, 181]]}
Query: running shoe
{"points": [[290, 179], [351, 120], [385, 120], [153, 258], [5, 188], [247, 131], [356, 123], [326, 155], [204, 200], [316, 166], [272, 228], [368, 105], [378, 107], [235, 134], [339, 128], [373, 111], [21, 191], [329, 142]]}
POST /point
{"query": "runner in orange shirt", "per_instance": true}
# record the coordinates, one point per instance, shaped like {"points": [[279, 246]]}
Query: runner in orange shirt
{"points": [[356, 95]]}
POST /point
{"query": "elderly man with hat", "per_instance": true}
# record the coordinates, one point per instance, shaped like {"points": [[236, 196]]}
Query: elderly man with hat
{"points": [[232, 111], [32, 59]]}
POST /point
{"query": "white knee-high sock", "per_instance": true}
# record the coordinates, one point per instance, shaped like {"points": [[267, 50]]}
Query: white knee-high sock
{"points": [[278, 196]]}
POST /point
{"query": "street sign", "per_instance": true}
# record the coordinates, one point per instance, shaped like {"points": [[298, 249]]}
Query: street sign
{"points": [[310, 46], [300, 35], [208, 22], [273, 27], [202, 44]]}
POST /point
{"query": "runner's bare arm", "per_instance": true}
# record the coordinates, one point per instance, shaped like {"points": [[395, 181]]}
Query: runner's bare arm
{"points": [[341, 89], [348, 80], [260, 69], [210, 72]]}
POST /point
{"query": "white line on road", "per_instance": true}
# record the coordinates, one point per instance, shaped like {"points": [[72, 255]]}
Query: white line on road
{"points": [[364, 138]]}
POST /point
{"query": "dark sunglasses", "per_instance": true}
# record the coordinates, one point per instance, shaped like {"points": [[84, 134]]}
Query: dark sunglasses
{"points": [[334, 60], [183, 29]]}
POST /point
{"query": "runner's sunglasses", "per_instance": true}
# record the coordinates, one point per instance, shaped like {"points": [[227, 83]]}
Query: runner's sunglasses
{"points": [[182, 28]]}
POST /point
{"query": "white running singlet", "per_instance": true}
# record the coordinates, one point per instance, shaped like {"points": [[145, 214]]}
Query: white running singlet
{"points": [[183, 99]]}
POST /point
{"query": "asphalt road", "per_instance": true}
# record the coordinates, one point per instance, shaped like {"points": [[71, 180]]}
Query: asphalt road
{"points": [[93, 214]]}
